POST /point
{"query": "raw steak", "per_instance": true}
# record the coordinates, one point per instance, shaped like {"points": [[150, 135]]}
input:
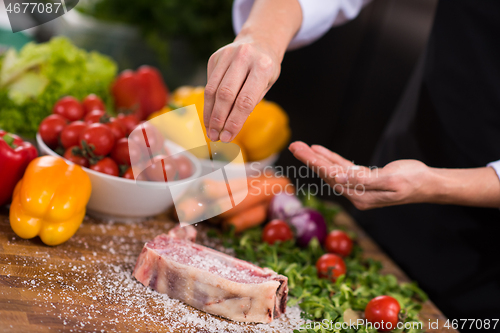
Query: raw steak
{"points": [[188, 233], [212, 281]]}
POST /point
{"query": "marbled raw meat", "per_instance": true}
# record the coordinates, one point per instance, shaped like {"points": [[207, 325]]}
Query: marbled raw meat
{"points": [[212, 281]]}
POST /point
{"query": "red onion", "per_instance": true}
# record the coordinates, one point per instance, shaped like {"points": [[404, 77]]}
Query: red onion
{"points": [[284, 206], [308, 224]]}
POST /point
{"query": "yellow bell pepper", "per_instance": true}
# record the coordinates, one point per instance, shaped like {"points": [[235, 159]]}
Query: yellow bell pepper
{"points": [[266, 131], [49, 201], [187, 95]]}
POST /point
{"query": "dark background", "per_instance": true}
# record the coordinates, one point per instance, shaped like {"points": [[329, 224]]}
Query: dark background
{"points": [[341, 90]]}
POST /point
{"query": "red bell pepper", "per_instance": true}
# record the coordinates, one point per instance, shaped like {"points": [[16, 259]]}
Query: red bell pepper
{"points": [[142, 91], [15, 155]]}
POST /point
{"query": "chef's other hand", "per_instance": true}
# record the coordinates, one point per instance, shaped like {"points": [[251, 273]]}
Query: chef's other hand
{"points": [[239, 75], [401, 181]]}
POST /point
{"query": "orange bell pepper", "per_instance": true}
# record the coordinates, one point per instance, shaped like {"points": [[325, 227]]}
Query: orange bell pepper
{"points": [[49, 201]]}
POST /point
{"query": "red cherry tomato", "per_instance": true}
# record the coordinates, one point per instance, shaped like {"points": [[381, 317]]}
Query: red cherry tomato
{"points": [[129, 122], [276, 230], [92, 102], [50, 129], [70, 155], [129, 174], [184, 166], [116, 128], [94, 116], [123, 152], [157, 171], [69, 108], [70, 135], [153, 91], [330, 266], [107, 166], [383, 310], [155, 139], [338, 242], [98, 136]]}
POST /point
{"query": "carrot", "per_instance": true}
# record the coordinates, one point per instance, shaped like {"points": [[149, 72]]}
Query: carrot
{"points": [[249, 218], [214, 189], [188, 210], [260, 190]]}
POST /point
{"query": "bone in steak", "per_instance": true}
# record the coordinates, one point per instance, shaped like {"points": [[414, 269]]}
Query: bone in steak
{"points": [[212, 281]]}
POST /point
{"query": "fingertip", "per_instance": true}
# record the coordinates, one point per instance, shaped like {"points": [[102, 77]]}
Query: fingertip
{"points": [[226, 136], [213, 135]]}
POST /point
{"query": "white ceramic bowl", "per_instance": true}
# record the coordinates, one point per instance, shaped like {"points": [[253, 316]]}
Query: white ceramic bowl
{"points": [[253, 169], [120, 199]]}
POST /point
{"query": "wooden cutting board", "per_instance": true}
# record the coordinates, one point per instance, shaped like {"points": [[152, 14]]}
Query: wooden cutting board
{"points": [[85, 284]]}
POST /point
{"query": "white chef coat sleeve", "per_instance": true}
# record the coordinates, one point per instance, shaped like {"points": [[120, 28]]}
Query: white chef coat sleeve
{"points": [[318, 16], [496, 166]]}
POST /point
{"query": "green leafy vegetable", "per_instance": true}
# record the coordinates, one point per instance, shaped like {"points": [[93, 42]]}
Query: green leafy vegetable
{"points": [[32, 80], [321, 299], [205, 25]]}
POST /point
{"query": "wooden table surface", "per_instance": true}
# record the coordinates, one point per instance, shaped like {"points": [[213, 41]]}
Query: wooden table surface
{"points": [[85, 284]]}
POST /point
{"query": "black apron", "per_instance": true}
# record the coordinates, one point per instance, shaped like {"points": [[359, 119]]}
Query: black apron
{"points": [[449, 117]]}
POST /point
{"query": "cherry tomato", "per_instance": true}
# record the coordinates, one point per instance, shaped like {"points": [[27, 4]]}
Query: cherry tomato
{"points": [[70, 155], [94, 116], [383, 310], [69, 108], [116, 128], [50, 129], [155, 139], [155, 172], [123, 152], [153, 91], [129, 122], [107, 166], [100, 137], [338, 242], [276, 230], [184, 166], [70, 135], [129, 174], [330, 266], [92, 102]]}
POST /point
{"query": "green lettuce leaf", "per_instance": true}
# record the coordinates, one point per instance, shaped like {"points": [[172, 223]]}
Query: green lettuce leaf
{"points": [[33, 79]]}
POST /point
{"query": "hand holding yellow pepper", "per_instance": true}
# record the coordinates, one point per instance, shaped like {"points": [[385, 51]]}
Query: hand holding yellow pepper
{"points": [[50, 200]]}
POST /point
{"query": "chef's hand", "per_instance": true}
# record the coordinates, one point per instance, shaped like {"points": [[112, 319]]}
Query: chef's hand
{"points": [[241, 73], [401, 181]]}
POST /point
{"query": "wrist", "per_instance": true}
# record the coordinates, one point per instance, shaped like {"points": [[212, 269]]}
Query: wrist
{"points": [[263, 41], [469, 187], [439, 186]]}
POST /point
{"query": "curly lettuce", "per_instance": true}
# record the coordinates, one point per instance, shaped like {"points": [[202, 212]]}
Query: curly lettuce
{"points": [[33, 79]]}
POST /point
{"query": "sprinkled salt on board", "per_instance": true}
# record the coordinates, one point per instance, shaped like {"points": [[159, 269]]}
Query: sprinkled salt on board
{"points": [[80, 286]]}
